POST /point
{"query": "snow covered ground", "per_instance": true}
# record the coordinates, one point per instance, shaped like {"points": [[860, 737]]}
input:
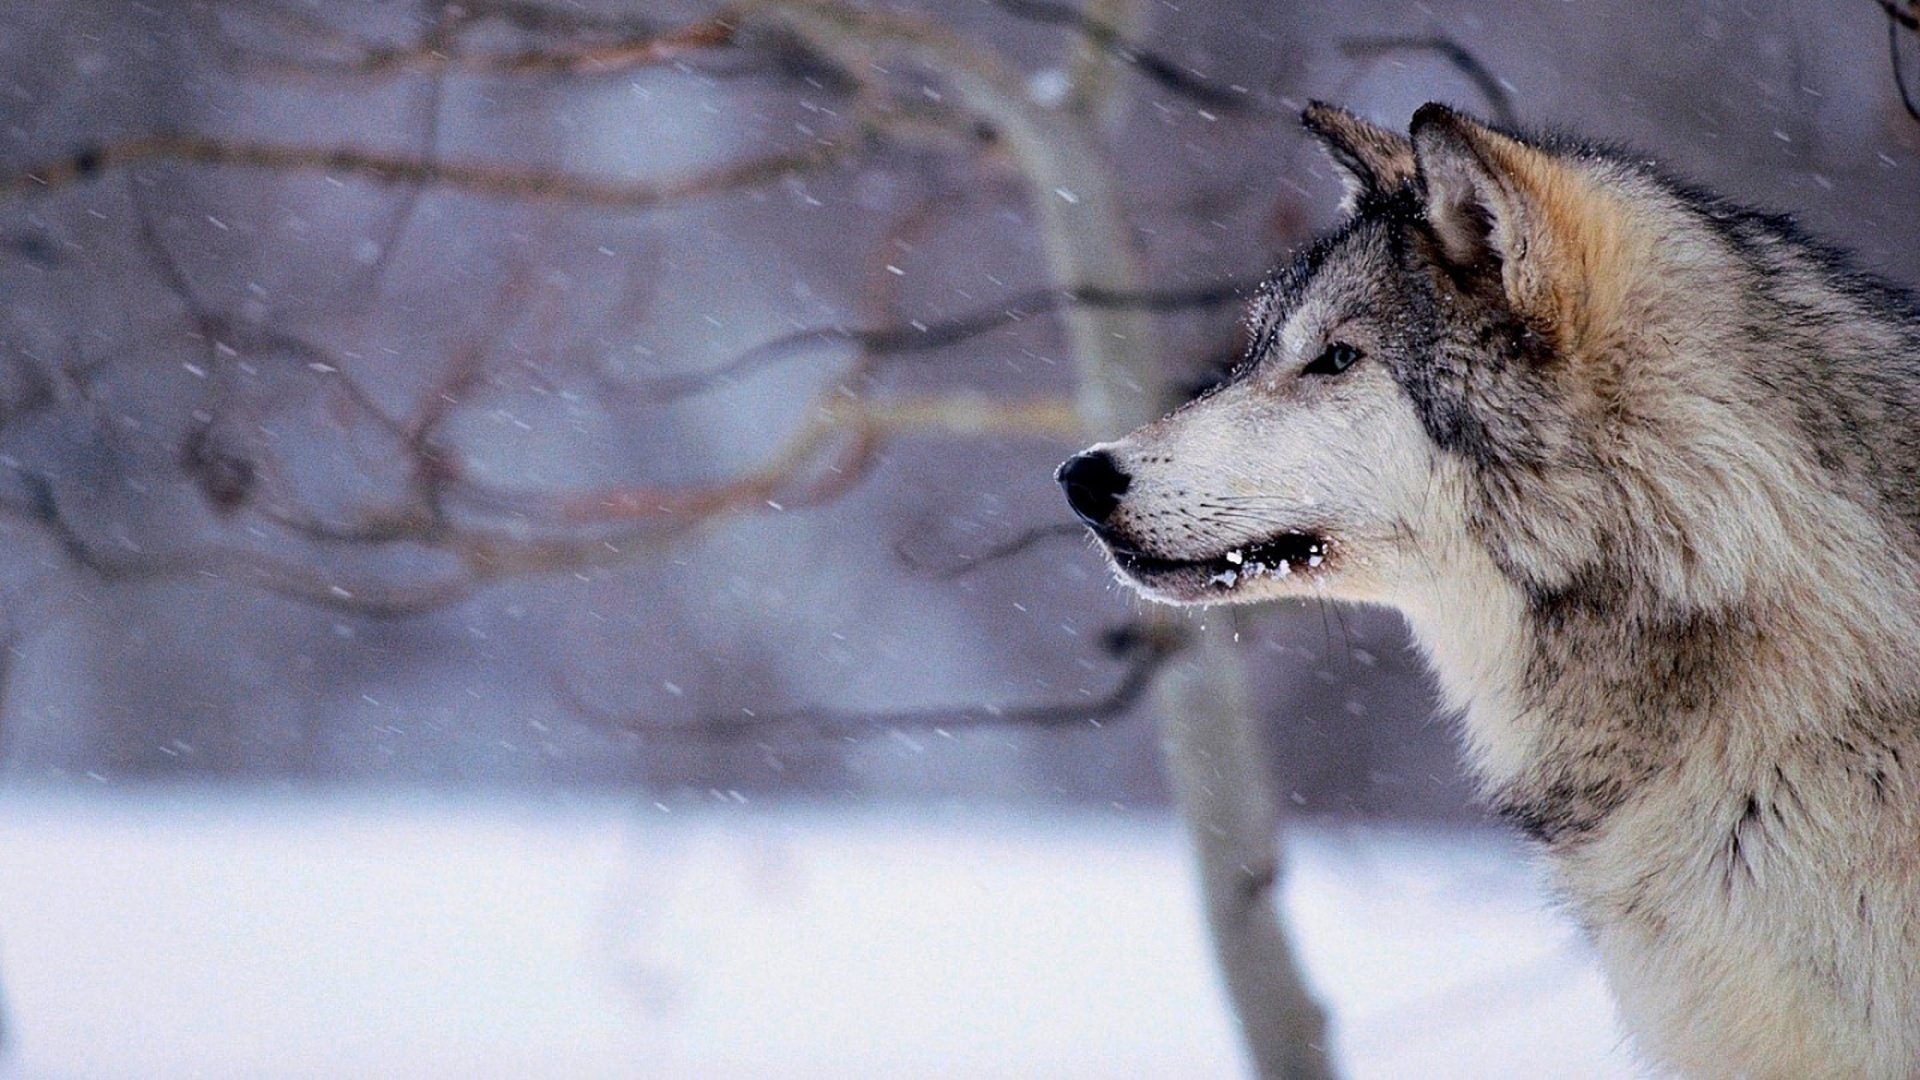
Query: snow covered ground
{"points": [[158, 935]]}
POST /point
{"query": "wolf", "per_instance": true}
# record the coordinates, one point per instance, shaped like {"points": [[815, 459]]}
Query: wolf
{"points": [[1641, 469]]}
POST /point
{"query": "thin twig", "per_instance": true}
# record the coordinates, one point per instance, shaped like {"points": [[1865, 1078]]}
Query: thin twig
{"points": [[1896, 21], [387, 241], [921, 337], [545, 17], [1144, 649], [1201, 90], [1499, 99], [1006, 549]]}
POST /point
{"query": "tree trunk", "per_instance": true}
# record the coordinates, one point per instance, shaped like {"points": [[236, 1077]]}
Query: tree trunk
{"points": [[1216, 751]]}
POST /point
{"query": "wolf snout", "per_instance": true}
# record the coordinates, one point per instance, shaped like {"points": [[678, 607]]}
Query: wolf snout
{"points": [[1094, 483]]}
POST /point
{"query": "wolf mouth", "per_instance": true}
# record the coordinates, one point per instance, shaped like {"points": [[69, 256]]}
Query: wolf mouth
{"points": [[1282, 556]]}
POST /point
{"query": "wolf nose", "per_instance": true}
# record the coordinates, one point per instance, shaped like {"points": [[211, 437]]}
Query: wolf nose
{"points": [[1093, 483]]}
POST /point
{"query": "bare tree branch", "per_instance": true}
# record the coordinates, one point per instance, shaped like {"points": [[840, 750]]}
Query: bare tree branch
{"points": [[435, 56], [1007, 549], [829, 453], [1143, 649], [811, 470], [386, 240], [481, 557], [922, 337], [618, 41], [1898, 20], [1499, 99], [545, 17], [286, 578], [545, 185], [1169, 74]]}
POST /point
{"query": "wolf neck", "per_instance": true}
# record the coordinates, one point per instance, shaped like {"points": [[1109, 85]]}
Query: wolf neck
{"points": [[1472, 626], [1572, 703]]}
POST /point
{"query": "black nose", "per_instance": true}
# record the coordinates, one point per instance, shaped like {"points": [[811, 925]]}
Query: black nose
{"points": [[1093, 483]]}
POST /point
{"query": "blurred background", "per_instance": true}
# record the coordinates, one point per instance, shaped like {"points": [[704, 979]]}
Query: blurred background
{"points": [[616, 439]]}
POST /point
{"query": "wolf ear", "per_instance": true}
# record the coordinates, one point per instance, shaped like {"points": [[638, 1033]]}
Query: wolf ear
{"points": [[1479, 203], [1498, 205], [1371, 159]]}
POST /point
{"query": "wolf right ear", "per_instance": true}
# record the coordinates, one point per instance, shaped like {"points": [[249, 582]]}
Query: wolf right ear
{"points": [[1371, 159]]}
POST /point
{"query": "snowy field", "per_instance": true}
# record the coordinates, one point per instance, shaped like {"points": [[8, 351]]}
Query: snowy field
{"points": [[164, 935]]}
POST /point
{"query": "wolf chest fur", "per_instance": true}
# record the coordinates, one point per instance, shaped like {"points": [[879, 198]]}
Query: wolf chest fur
{"points": [[1641, 468]]}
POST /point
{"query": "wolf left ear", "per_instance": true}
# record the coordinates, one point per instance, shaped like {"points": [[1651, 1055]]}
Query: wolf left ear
{"points": [[1371, 160]]}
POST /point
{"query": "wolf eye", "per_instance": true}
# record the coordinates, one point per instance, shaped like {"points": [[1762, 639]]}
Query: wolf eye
{"points": [[1334, 359]]}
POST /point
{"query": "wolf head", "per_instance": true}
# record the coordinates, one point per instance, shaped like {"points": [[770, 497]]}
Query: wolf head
{"points": [[1517, 363]]}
